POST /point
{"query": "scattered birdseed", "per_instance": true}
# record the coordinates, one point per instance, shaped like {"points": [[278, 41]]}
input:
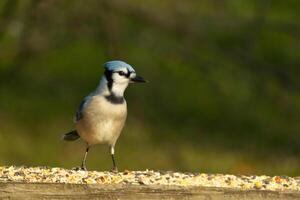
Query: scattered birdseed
{"points": [[147, 177]]}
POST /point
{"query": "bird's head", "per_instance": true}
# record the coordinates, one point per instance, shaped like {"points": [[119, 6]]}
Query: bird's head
{"points": [[120, 72]]}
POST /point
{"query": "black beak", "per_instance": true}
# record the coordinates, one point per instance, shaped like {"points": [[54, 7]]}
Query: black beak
{"points": [[138, 79]]}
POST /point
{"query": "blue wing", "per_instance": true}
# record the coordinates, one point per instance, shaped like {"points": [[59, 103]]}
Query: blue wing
{"points": [[83, 103]]}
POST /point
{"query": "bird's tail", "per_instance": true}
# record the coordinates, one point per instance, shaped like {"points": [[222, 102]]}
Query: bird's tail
{"points": [[71, 136]]}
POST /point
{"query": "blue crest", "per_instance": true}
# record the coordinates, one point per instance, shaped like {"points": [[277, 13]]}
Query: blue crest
{"points": [[116, 65]]}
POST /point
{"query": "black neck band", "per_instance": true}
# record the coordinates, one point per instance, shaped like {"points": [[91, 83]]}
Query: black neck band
{"points": [[112, 98], [108, 76]]}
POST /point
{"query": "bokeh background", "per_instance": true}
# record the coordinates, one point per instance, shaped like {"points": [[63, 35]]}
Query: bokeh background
{"points": [[224, 83]]}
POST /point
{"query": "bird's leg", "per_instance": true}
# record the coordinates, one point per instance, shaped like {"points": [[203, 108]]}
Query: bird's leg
{"points": [[112, 152], [83, 164]]}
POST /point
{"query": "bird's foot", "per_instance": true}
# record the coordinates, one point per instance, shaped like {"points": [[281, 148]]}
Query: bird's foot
{"points": [[78, 168], [114, 170]]}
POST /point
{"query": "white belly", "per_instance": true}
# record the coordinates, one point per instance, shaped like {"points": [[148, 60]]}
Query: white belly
{"points": [[102, 122]]}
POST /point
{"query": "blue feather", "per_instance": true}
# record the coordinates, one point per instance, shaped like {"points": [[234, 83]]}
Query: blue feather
{"points": [[82, 104], [116, 65]]}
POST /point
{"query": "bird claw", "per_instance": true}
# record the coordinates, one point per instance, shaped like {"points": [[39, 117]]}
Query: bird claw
{"points": [[78, 168], [114, 170], [84, 168]]}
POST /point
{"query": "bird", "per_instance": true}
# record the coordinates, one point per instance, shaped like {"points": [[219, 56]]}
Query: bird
{"points": [[101, 115]]}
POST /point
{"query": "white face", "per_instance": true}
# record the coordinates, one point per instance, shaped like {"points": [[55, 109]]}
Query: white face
{"points": [[122, 76]]}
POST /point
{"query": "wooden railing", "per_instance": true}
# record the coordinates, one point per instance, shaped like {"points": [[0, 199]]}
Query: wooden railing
{"points": [[140, 192]]}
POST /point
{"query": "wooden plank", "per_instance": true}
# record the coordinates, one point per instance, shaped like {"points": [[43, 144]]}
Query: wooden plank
{"points": [[120, 191]]}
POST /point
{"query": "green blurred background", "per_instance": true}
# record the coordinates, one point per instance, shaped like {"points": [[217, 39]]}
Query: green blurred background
{"points": [[224, 83]]}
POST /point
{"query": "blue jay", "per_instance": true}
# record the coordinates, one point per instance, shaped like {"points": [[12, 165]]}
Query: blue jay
{"points": [[101, 115]]}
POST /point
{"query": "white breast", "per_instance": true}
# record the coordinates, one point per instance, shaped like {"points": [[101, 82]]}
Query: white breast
{"points": [[102, 121]]}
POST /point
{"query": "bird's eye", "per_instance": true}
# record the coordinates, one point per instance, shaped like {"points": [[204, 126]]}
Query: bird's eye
{"points": [[121, 73]]}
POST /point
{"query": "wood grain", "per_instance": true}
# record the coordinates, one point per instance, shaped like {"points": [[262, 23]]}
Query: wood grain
{"points": [[118, 191]]}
